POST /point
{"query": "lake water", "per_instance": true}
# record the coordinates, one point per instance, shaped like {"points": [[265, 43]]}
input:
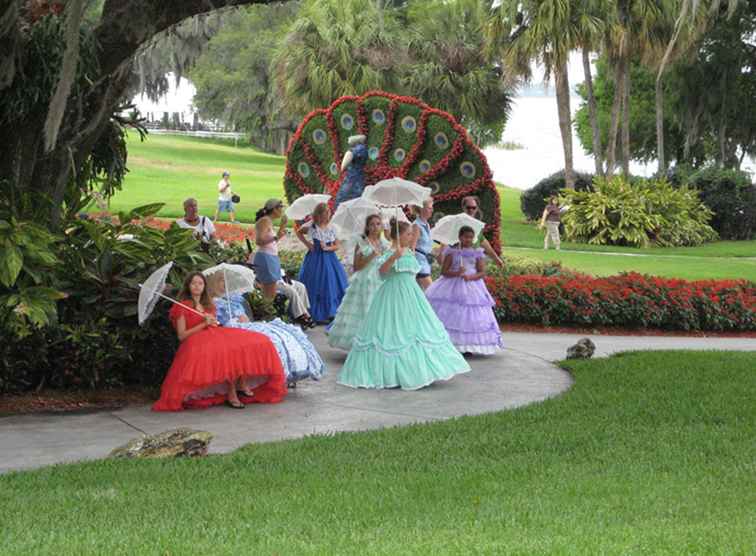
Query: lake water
{"points": [[533, 123]]}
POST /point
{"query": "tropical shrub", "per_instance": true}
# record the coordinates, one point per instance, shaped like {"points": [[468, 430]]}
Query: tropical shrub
{"points": [[731, 197], [647, 212], [91, 338], [533, 200], [27, 293], [627, 300]]}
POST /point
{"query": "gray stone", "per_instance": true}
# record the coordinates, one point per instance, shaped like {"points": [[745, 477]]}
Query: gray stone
{"points": [[583, 349], [168, 444]]}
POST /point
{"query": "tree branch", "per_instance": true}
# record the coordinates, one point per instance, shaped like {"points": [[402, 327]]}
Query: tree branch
{"points": [[126, 25]]}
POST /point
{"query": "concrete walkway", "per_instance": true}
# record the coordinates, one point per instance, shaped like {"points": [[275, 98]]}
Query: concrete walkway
{"points": [[520, 375]]}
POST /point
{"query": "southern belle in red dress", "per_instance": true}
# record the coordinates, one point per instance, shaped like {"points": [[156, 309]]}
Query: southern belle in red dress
{"points": [[209, 360]]}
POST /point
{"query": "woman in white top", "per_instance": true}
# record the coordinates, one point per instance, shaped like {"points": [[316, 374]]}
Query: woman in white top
{"points": [[225, 195], [203, 227]]}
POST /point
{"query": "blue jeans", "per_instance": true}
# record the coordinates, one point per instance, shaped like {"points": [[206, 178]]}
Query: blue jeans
{"points": [[225, 206]]}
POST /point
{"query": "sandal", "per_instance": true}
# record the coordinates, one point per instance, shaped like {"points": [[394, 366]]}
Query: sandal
{"points": [[245, 394], [237, 405]]}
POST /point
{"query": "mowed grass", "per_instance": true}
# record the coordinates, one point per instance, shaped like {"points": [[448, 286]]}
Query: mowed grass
{"points": [[716, 260], [169, 168], [648, 453]]}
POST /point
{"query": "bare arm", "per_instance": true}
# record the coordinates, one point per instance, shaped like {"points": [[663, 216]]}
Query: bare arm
{"points": [[386, 266], [360, 260], [183, 333], [543, 218], [347, 160], [303, 238], [480, 271], [490, 252], [282, 226], [415, 235], [333, 247], [446, 268]]}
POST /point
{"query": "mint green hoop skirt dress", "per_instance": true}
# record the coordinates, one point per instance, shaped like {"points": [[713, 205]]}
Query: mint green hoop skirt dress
{"points": [[357, 299], [401, 343]]}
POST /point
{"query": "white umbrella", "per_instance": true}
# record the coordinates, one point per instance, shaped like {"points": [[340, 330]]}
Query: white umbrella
{"points": [[396, 192], [387, 214], [447, 228], [350, 216], [302, 207], [152, 289], [237, 279]]}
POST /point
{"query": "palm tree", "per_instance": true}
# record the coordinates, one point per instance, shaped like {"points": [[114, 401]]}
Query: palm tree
{"points": [[544, 31], [629, 31], [591, 16], [338, 48], [452, 70]]}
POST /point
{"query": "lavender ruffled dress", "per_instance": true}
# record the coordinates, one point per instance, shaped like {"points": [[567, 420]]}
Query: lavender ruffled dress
{"points": [[465, 307]]}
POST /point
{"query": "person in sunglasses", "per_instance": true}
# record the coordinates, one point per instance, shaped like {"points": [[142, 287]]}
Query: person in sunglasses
{"points": [[471, 207]]}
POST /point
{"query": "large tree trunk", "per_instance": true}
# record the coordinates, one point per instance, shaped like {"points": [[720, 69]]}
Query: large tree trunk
{"points": [[660, 127], [611, 147], [626, 119], [565, 122], [124, 26], [593, 114]]}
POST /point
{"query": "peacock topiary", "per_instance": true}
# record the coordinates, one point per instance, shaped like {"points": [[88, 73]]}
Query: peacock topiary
{"points": [[405, 138]]}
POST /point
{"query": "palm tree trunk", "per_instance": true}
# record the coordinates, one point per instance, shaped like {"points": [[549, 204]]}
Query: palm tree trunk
{"points": [[660, 127], [626, 117], [611, 147], [593, 114], [565, 121]]}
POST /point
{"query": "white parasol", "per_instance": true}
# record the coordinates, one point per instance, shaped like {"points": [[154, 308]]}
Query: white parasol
{"points": [[237, 279], [350, 216], [151, 290], [304, 205], [396, 192], [447, 228]]}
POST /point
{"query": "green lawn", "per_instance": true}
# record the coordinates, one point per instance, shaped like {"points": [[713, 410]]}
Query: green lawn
{"points": [[648, 453], [169, 169]]}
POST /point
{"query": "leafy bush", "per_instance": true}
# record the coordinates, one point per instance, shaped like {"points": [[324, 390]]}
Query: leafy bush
{"points": [[93, 338], [533, 200], [627, 300], [27, 292], [648, 212], [291, 261], [731, 197]]}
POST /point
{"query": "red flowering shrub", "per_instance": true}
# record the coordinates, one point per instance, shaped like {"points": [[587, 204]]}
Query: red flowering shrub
{"points": [[627, 300]]}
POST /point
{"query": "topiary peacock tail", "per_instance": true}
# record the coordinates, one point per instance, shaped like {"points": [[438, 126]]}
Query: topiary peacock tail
{"points": [[405, 138]]}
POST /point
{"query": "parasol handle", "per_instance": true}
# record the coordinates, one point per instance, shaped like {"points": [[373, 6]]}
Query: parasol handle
{"points": [[192, 309]]}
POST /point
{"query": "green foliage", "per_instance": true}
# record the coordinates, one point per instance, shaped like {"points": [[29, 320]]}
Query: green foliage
{"points": [[27, 257], [642, 113], [533, 200], [90, 337], [234, 76], [648, 212], [337, 48], [704, 95], [731, 197], [291, 261]]}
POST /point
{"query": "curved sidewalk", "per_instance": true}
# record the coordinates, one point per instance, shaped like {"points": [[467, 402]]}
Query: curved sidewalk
{"points": [[504, 381]]}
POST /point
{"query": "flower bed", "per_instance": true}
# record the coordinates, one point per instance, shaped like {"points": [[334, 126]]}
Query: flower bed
{"points": [[627, 300]]}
